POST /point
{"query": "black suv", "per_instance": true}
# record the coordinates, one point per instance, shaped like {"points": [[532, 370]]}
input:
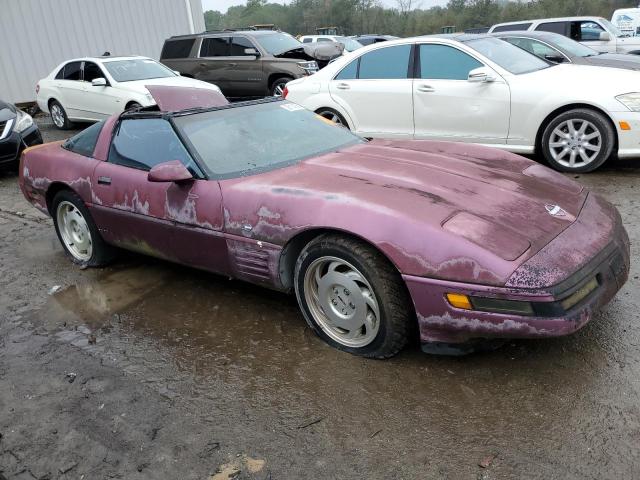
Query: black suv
{"points": [[243, 63]]}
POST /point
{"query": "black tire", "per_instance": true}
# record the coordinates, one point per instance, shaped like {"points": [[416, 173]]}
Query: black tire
{"points": [[334, 116], [102, 253], [397, 317], [598, 122], [132, 105], [59, 116], [277, 87]]}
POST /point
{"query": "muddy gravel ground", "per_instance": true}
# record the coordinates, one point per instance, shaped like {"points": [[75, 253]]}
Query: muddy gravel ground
{"points": [[146, 370]]}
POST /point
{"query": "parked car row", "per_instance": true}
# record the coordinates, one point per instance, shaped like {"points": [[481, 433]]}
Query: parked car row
{"points": [[461, 244]]}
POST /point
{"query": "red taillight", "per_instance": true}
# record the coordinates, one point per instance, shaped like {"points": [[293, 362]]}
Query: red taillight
{"points": [[285, 92], [37, 88]]}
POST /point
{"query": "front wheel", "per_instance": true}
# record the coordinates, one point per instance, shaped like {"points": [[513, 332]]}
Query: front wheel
{"points": [[277, 87], [77, 231], [352, 297], [579, 140]]}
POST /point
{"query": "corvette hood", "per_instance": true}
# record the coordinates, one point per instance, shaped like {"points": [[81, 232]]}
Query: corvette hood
{"points": [[506, 204]]}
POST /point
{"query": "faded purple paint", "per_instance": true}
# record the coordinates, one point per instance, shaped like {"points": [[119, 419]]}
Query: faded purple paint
{"points": [[450, 217], [171, 99]]}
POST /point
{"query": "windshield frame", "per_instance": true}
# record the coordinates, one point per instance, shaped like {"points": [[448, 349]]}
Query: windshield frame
{"points": [[212, 175], [106, 64], [543, 65]]}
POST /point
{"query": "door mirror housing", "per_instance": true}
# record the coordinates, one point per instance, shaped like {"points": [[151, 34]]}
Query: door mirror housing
{"points": [[605, 36], [99, 82], [481, 75], [555, 58], [173, 171], [251, 51]]}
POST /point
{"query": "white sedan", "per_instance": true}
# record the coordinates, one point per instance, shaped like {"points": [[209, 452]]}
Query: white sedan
{"points": [[474, 88], [92, 89]]}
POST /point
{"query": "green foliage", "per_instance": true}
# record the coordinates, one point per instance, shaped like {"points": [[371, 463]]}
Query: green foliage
{"points": [[369, 16]]}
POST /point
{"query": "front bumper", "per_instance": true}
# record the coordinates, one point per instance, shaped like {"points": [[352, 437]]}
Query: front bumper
{"points": [[628, 140], [12, 146], [439, 322]]}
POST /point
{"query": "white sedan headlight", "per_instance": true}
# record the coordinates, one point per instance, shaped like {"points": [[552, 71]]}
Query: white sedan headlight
{"points": [[630, 100], [23, 121]]}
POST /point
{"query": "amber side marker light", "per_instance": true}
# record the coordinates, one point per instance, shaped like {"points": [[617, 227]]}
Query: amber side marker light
{"points": [[459, 300], [624, 125]]}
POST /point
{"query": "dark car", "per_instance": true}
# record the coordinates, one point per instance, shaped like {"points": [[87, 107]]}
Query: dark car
{"points": [[373, 38], [17, 132], [557, 48], [377, 239], [245, 63]]}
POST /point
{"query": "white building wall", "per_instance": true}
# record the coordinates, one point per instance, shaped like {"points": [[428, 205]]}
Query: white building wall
{"points": [[37, 35]]}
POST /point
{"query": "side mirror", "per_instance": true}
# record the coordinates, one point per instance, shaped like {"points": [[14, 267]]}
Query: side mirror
{"points": [[481, 75], [555, 58], [99, 82], [173, 171], [605, 36], [251, 51]]}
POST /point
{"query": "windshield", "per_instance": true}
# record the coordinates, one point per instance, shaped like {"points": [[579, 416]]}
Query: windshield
{"points": [[573, 47], [248, 139], [612, 28], [349, 43], [137, 69], [513, 59], [277, 43]]}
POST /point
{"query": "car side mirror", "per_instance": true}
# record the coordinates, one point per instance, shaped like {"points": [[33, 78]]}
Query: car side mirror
{"points": [[605, 36], [251, 51], [173, 171], [481, 75], [555, 58], [99, 82]]}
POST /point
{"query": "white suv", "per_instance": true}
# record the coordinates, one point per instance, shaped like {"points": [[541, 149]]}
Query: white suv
{"points": [[596, 32]]}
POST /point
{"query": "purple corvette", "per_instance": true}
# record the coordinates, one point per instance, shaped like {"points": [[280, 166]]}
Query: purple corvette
{"points": [[378, 240]]}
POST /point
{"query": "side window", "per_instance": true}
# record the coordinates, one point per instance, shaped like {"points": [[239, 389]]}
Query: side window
{"points": [[215, 47], [91, 71], [541, 50], [350, 72], [72, 71], [323, 39], [238, 45], [84, 143], [60, 74], [307, 40], [144, 143], [512, 27], [385, 63], [177, 48], [587, 32], [555, 27], [445, 63]]}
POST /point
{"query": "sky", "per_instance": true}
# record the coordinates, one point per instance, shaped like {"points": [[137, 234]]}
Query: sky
{"points": [[223, 5]]}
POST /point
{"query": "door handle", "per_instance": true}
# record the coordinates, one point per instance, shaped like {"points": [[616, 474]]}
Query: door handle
{"points": [[104, 180], [426, 89], [343, 86]]}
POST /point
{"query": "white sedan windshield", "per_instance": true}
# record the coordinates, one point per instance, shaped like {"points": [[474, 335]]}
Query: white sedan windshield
{"points": [[137, 69]]}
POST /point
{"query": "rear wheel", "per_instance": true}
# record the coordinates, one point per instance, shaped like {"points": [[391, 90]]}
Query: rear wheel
{"points": [[332, 115], [352, 297], [59, 116], [579, 140], [78, 232]]}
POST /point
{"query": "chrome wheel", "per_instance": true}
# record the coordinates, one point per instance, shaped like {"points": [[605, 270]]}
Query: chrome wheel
{"points": [[342, 301], [57, 115], [575, 143], [278, 91], [74, 231], [329, 115]]}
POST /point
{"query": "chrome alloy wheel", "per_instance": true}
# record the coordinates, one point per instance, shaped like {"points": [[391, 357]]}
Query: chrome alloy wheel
{"points": [[57, 115], [575, 143], [279, 90], [74, 231], [342, 301], [329, 115]]}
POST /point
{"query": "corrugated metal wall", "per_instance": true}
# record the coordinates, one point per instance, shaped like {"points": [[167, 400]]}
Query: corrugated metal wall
{"points": [[36, 35]]}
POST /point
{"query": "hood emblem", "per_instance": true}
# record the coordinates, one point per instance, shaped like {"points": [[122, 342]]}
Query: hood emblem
{"points": [[555, 210]]}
